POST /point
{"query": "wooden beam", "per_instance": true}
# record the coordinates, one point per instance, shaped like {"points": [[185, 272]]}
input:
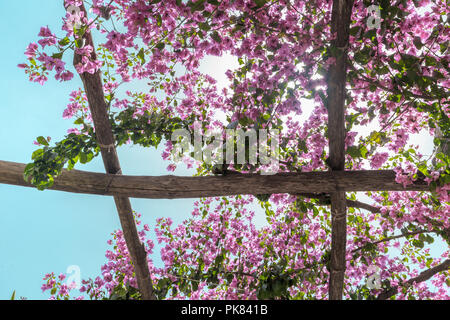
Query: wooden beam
{"points": [[93, 87], [338, 245], [173, 187], [336, 96]]}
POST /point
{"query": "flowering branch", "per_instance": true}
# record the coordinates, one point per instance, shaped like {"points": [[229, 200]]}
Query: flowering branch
{"points": [[423, 276]]}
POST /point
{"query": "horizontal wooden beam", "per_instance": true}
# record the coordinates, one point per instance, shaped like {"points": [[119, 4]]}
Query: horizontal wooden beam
{"points": [[172, 187]]}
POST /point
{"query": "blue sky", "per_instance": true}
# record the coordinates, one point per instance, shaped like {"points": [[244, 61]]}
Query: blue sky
{"points": [[51, 230]]}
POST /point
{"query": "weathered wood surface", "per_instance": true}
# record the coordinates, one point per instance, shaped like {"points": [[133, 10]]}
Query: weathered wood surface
{"points": [[338, 245], [173, 187], [336, 97], [93, 87]]}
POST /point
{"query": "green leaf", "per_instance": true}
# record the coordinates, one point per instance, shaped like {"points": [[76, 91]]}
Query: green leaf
{"points": [[204, 26], [370, 34], [141, 55], [354, 30], [83, 158], [363, 151], [79, 42], [64, 42], [36, 154], [383, 70], [260, 3], [79, 121], [362, 57], [13, 296], [80, 32], [354, 151], [42, 140], [429, 239], [160, 46], [441, 156], [216, 37], [199, 5], [430, 61], [158, 20], [417, 42], [418, 243], [58, 55], [28, 170]]}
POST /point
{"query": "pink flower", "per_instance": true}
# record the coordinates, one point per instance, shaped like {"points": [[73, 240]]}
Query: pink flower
{"points": [[378, 159], [64, 76], [350, 138], [47, 42], [31, 50], [74, 130], [45, 32], [71, 110]]}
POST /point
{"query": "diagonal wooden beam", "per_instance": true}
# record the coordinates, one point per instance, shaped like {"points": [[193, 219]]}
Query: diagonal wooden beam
{"points": [[176, 187], [336, 94], [93, 87]]}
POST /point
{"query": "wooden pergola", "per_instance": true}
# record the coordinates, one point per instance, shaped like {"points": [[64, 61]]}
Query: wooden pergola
{"points": [[334, 183]]}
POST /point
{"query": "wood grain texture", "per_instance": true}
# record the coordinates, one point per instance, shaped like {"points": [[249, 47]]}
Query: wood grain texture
{"points": [[336, 97], [336, 81], [93, 87], [175, 187], [338, 245]]}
